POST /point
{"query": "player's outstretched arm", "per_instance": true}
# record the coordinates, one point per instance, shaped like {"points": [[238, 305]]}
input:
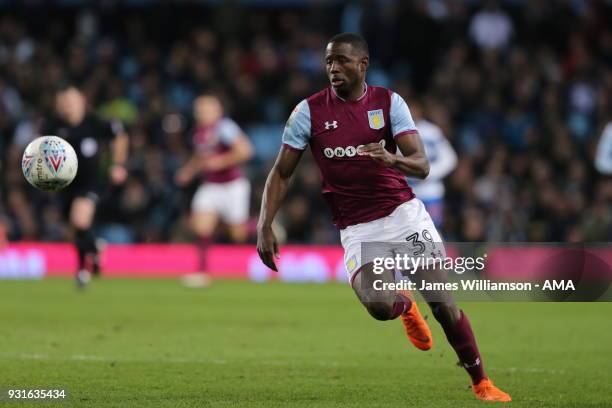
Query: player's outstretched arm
{"points": [[240, 151], [275, 191], [414, 163], [120, 151]]}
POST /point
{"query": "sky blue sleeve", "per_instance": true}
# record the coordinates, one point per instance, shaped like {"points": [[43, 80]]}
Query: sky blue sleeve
{"points": [[228, 131], [297, 129], [401, 119]]}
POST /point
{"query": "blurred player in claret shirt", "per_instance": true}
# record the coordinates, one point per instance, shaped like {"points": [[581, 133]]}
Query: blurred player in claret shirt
{"points": [[353, 131], [89, 135], [220, 147]]}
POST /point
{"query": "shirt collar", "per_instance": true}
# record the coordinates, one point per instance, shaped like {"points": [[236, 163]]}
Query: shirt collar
{"points": [[365, 91]]}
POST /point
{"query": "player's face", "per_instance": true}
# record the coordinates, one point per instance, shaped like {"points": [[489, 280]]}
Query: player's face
{"points": [[207, 110], [345, 67], [71, 105]]}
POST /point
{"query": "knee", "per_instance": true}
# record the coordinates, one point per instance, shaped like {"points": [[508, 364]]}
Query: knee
{"points": [[238, 233], [446, 312], [82, 213], [203, 224], [380, 310]]}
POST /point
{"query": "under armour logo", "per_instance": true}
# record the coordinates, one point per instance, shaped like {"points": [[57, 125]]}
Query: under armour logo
{"points": [[331, 125]]}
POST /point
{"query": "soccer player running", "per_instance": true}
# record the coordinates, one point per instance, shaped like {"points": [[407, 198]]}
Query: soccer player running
{"points": [[353, 131], [88, 134], [220, 148]]}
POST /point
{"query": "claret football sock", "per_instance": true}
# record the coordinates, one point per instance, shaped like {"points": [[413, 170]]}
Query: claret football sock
{"points": [[203, 245], [461, 338], [84, 241], [201, 278], [400, 305]]}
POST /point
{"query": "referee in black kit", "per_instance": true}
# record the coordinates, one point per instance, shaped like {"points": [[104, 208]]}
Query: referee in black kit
{"points": [[89, 135]]}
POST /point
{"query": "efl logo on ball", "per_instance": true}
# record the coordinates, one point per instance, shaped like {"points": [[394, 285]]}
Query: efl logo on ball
{"points": [[49, 163]]}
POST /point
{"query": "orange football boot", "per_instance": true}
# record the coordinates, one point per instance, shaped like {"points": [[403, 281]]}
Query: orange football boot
{"points": [[416, 327], [485, 390]]}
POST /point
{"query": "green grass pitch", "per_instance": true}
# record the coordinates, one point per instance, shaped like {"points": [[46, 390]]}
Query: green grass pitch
{"points": [[152, 343]]}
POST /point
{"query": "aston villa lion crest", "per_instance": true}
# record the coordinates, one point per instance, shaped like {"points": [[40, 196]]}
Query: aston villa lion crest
{"points": [[54, 154], [376, 119]]}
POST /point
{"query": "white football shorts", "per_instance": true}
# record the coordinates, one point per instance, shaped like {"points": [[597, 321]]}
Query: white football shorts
{"points": [[230, 200], [409, 226]]}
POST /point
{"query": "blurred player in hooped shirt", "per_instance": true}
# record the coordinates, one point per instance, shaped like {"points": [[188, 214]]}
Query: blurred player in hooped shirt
{"points": [[219, 148], [442, 161]]}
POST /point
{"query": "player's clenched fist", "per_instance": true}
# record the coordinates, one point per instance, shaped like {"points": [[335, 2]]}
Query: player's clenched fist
{"points": [[378, 153], [267, 247]]}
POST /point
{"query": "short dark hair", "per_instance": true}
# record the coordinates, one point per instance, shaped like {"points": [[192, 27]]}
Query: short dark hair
{"points": [[65, 85], [357, 41], [211, 92]]}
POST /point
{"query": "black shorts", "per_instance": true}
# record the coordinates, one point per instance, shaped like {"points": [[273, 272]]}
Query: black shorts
{"points": [[91, 191]]}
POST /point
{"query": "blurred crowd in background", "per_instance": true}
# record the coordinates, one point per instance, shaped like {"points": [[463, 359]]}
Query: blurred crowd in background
{"points": [[522, 89]]}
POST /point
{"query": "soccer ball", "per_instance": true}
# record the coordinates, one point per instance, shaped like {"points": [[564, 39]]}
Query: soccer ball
{"points": [[49, 163]]}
